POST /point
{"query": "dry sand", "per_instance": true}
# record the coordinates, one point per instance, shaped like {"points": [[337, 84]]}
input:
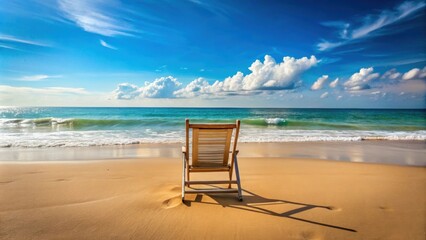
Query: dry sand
{"points": [[284, 198]]}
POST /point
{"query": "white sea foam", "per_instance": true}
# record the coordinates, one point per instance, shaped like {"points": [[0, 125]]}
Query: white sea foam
{"points": [[279, 135], [126, 137]]}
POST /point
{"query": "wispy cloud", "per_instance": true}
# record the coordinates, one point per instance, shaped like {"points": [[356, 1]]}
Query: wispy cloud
{"points": [[10, 38], [386, 17], [370, 25], [324, 95], [402, 61], [46, 90], [326, 45], [35, 78], [334, 83], [103, 43], [348, 51], [8, 47], [161, 69], [215, 8], [96, 17]]}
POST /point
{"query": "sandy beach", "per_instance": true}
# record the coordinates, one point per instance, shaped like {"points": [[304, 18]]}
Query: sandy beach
{"points": [[286, 195]]}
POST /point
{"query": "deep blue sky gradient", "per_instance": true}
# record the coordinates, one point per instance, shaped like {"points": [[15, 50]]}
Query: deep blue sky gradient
{"points": [[208, 39]]}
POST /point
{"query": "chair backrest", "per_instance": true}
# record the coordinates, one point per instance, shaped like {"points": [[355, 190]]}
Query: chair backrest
{"points": [[211, 143]]}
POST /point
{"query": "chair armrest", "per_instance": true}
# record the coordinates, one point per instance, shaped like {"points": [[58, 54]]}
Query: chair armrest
{"points": [[184, 155]]}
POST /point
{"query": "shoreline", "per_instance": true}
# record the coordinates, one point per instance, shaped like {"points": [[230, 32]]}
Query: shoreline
{"points": [[406, 153]]}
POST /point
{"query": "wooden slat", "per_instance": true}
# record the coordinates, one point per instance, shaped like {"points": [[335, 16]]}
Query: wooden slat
{"points": [[226, 150], [195, 147], [212, 191], [212, 144], [214, 161], [211, 156], [212, 126], [214, 131], [209, 169], [211, 150]]}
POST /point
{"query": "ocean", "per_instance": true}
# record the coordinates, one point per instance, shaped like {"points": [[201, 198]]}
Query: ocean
{"points": [[40, 127]]}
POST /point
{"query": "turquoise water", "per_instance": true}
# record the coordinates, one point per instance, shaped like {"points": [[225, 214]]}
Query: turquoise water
{"points": [[74, 126]]}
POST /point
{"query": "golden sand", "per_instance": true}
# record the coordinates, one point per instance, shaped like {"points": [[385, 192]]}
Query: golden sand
{"points": [[284, 198]]}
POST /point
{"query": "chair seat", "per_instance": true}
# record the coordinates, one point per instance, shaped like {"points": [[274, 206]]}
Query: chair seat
{"points": [[208, 168]]}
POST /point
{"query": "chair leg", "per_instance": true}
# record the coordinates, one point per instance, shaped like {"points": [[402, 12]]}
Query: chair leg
{"points": [[230, 178], [231, 172], [183, 178], [237, 175], [187, 177]]}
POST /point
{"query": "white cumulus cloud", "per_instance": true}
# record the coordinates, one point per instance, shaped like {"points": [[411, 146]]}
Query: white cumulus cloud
{"points": [[265, 76], [390, 82], [415, 73], [272, 75], [391, 75], [230, 84], [361, 80], [163, 87], [319, 83], [193, 89], [126, 91]]}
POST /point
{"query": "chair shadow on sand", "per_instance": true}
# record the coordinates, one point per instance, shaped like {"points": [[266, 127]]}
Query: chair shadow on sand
{"points": [[254, 203]]}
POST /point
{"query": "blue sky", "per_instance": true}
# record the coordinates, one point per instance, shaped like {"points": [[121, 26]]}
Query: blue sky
{"points": [[359, 54]]}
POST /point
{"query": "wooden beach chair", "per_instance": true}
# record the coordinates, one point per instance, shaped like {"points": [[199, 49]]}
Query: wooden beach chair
{"points": [[210, 152]]}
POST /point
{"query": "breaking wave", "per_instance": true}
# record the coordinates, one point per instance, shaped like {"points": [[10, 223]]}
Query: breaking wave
{"points": [[150, 135], [113, 124]]}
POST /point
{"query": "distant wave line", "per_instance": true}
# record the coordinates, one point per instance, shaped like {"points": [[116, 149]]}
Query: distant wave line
{"points": [[102, 124]]}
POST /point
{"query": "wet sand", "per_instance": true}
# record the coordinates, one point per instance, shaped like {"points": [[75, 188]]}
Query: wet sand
{"points": [[407, 153]]}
